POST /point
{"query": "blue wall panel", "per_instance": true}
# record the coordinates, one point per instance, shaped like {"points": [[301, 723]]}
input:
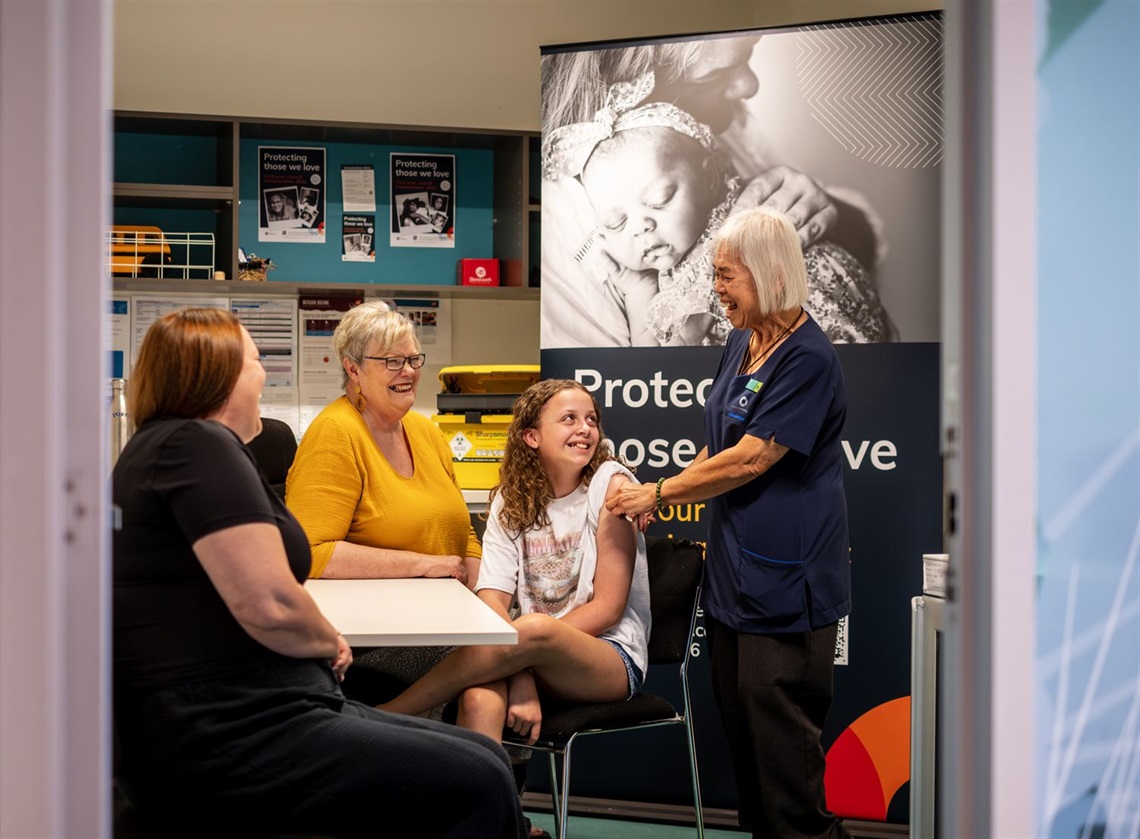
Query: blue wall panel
{"points": [[320, 263]]}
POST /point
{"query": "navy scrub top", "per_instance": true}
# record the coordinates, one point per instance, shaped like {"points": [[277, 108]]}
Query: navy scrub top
{"points": [[778, 551]]}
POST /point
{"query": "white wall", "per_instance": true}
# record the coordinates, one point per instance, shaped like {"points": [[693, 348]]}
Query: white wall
{"points": [[54, 607], [464, 63], [458, 63]]}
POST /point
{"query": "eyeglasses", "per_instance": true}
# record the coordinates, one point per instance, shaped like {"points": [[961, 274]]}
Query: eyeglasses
{"points": [[397, 362]]}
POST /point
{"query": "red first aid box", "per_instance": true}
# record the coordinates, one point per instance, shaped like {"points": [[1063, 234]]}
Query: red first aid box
{"points": [[477, 272]]}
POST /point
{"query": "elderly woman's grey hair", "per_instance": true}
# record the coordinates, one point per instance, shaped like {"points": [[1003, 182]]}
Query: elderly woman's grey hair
{"points": [[371, 323], [765, 242]]}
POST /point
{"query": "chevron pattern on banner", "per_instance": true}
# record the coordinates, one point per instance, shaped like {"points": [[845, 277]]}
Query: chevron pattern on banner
{"points": [[877, 89]]}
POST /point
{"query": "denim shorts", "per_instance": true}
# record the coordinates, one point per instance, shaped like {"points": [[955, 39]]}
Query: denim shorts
{"points": [[635, 676]]}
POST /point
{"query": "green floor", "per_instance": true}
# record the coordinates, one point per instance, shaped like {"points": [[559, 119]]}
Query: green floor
{"points": [[585, 827]]}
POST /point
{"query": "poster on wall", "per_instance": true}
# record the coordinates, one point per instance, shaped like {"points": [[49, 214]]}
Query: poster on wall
{"points": [[320, 378], [646, 148], [272, 324], [291, 189], [358, 238], [423, 200], [432, 319], [146, 309], [119, 325], [358, 188]]}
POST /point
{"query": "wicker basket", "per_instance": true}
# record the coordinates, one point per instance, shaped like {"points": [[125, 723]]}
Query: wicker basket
{"points": [[255, 270]]}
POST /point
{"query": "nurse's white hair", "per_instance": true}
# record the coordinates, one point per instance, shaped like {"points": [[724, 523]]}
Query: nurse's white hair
{"points": [[765, 242]]}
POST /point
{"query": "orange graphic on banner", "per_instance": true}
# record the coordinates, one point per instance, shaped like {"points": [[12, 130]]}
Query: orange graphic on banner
{"points": [[869, 762]]}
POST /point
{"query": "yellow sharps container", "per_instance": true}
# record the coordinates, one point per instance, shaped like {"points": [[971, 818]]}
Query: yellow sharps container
{"points": [[474, 405]]}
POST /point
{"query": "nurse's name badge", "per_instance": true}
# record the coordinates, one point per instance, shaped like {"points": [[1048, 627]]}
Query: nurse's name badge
{"points": [[754, 385]]}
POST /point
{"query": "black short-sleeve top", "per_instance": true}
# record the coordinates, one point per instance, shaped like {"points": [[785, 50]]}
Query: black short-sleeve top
{"points": [[176, 481]]}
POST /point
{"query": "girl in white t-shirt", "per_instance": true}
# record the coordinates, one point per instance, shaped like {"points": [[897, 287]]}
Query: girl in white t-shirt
{"points": [[578, 572]]}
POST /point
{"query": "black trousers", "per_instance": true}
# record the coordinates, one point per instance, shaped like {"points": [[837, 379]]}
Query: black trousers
{"points": [[773, 692], [281, 751]]}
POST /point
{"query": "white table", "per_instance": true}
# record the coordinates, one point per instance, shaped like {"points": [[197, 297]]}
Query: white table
{"points": [[420, 612]]}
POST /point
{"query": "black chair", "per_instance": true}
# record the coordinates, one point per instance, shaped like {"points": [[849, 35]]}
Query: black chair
{"points": [[274, 449], [676, 570]]}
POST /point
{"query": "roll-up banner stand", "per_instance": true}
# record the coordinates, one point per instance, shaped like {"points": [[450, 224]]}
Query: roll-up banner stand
{"points": [[840, 125]]}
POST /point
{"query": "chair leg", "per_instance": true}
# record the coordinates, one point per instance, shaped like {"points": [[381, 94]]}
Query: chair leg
{"points": [[555, 797], [564, 811], [696, 778]]}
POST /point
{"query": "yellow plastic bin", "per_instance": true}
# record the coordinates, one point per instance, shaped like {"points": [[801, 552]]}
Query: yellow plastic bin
{"points": [[474, 405]]}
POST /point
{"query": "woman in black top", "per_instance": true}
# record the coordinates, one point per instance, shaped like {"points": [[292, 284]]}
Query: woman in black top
{"points": [[227, 703]]}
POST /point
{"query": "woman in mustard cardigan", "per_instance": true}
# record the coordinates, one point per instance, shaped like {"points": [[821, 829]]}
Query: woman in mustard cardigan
{"points": [[374, 488], [373, 484]]}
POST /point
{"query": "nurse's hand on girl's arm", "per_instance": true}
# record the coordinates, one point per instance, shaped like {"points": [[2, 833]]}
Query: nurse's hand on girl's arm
{"points": [[632, 500], [643, 521]]}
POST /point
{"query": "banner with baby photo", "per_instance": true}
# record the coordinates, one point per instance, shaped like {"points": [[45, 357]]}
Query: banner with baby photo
{"points": [[647, 147]]}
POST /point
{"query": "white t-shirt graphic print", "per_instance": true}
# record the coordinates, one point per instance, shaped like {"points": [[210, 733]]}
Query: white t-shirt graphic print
{"points": [[551, 569], [551, 563]]}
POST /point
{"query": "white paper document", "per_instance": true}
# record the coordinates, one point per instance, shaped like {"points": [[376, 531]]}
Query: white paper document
{"points": [[272, 323], [358, 188], [147, 309]]}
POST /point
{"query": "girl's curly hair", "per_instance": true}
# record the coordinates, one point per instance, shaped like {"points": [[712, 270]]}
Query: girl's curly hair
{"points": [[523, 484]]}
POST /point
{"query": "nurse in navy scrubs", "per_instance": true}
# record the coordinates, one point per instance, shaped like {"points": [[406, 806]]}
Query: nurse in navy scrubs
{"points": [[778, 571]]}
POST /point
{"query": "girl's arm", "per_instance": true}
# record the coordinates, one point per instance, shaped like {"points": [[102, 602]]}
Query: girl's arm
{"points": [[471, 566], [499, 601], [250, 571], [613, 576]]}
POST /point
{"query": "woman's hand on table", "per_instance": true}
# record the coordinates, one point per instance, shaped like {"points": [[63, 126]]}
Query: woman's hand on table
{"points": [[444, 566], [343, 657]]}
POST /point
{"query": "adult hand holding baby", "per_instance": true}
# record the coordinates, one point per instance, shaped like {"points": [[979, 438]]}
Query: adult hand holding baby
{"points": [[796, 195]]}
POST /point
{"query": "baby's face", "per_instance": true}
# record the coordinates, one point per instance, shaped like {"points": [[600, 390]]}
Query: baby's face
{"points": [[651, 206]]}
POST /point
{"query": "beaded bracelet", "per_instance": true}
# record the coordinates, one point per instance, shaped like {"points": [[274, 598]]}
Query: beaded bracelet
{"points": [[660, 481]]}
